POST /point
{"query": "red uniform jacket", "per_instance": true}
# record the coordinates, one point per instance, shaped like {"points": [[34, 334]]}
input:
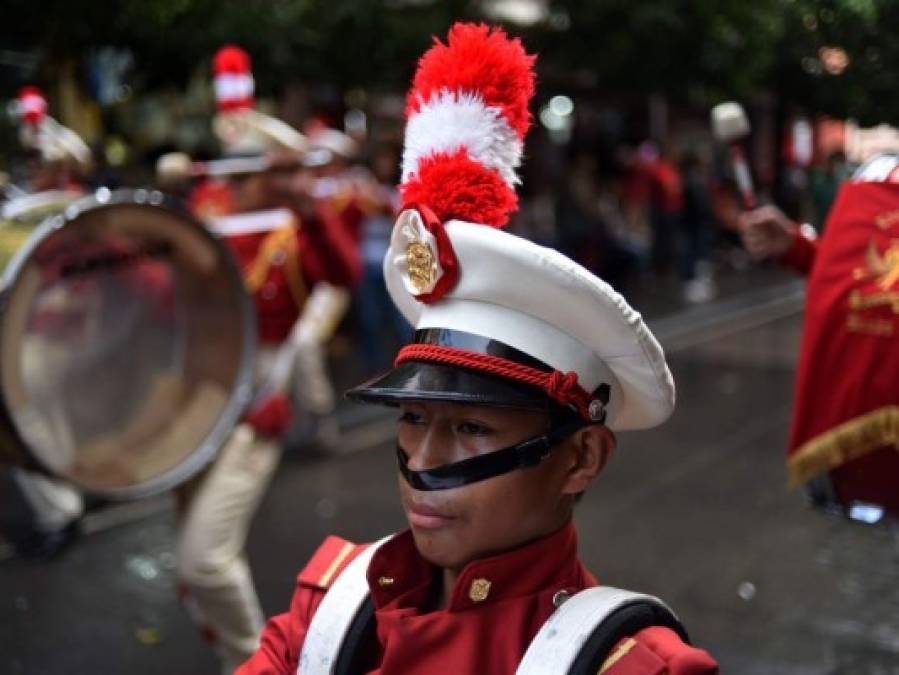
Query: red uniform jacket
{"points": [[281, 265], [349, 208], [473, 634], [846, 415]]}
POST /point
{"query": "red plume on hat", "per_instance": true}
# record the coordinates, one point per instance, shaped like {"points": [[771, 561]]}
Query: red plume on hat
{"points": [[467, 116], [233, 78], [32, 105]]}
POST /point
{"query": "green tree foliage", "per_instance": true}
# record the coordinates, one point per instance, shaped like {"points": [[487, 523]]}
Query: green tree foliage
{"points": [[345, 42], [691, 50], [695, 51], [866, 85]]}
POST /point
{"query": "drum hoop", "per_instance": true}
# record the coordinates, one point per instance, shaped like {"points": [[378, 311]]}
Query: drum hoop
{"points": [[238, 399]]}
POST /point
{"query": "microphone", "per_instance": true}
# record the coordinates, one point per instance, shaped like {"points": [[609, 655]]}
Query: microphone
{"points": [[730, 126]]}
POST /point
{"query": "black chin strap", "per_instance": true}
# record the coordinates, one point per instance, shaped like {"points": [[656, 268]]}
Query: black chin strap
{"points": [[496, 463]]}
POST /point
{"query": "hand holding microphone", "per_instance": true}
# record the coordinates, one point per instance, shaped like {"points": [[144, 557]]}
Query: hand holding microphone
{"points": [[730, 126], [766, 232]]}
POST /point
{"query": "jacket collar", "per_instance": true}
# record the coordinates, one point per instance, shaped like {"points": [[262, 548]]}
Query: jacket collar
{"points": [[400, 578]]}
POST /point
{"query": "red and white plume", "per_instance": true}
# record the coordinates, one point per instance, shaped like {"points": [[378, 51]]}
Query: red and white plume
{"points": [[32, 105], [467, 116], [233, 78]]}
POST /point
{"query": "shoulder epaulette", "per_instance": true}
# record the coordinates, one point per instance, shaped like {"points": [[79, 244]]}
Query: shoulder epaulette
{"points": [[657, 649], [629, 656], [328, 562]]}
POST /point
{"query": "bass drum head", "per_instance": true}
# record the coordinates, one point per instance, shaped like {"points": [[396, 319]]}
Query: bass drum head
{"points": [[127, 342]]}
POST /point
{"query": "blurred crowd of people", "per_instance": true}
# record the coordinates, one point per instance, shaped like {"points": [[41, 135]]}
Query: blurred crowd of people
{"points": [[655, 214]]}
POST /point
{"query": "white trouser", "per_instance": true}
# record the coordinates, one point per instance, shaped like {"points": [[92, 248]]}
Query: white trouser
{"points": [[212, 565], [54, 504]]}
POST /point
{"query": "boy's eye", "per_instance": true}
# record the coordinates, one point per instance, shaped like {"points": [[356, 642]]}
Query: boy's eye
{"points": [[474, 429], [409, 417]]}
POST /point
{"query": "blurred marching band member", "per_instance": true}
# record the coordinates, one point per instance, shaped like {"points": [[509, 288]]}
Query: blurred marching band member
{"points": [[377, 314], [328, 173], [287, 247], [55, 142], [846, 414], [60, 159], [522, 366]]}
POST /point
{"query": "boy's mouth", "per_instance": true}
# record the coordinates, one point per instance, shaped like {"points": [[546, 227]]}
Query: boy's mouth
{"points": [[425, 516]]}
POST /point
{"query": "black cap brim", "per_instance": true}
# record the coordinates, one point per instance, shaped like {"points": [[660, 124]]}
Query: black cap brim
{"points": [[423, 381]]}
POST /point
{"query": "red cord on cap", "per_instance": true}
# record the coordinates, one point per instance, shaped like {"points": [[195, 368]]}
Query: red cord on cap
{"points": [[560, 387]]}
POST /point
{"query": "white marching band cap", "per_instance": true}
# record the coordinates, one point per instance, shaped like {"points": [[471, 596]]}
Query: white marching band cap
{"points": [[238, 125], [499, 320], [41, 132]]}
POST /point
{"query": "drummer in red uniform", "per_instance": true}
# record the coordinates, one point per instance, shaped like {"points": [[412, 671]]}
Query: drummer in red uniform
{"points": [[522, 368], [286, 247], [846, 415]]}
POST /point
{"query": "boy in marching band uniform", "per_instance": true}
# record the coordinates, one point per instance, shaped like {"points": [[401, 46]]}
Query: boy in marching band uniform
{"points": [[522, 367]]}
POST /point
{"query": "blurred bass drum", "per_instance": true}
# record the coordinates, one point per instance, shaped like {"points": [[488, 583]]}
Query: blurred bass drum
{"points": [[126, 346]]}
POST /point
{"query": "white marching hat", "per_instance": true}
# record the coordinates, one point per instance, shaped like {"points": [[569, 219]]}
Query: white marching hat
{"points": [[500, 320], [241, 128], [41, 132]]}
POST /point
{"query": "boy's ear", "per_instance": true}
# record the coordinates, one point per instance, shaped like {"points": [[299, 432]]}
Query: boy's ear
{"points": [[592, 448]]}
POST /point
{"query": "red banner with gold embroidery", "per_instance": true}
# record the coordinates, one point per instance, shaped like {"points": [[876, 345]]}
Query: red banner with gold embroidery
{"points": [[846, 415]]}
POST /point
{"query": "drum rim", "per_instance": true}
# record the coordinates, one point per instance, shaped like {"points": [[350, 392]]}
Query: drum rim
{"points": [[239, 397], [39, 200]]}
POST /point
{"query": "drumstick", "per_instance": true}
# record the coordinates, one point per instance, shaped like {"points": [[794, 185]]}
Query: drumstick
{"points": [[730, 126]]}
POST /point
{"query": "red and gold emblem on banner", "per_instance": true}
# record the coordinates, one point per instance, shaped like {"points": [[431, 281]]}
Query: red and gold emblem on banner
{"points": [[874, 304]]}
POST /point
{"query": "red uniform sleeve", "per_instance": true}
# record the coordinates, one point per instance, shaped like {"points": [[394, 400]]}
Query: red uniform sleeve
{"points": [[283, 636], [657, 651], [801, 255], [328, 251]]}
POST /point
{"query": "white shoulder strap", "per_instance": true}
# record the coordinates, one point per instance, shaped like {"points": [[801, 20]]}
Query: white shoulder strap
{"points": [[334, 616], [553, 650], [564, 634]]}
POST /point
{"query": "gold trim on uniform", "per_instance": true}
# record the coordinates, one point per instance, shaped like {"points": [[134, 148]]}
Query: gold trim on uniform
{"points": [[844, 443], [480, 589], [279, 245], [623, 649], [386, 581], [332, 568]]}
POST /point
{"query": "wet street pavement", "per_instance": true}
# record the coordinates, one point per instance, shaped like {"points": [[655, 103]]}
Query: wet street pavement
{"points": [[696, 512]]}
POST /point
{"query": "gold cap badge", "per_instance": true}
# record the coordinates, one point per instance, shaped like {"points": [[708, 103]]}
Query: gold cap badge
{"points": [[417, 249], [420, 260]]}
